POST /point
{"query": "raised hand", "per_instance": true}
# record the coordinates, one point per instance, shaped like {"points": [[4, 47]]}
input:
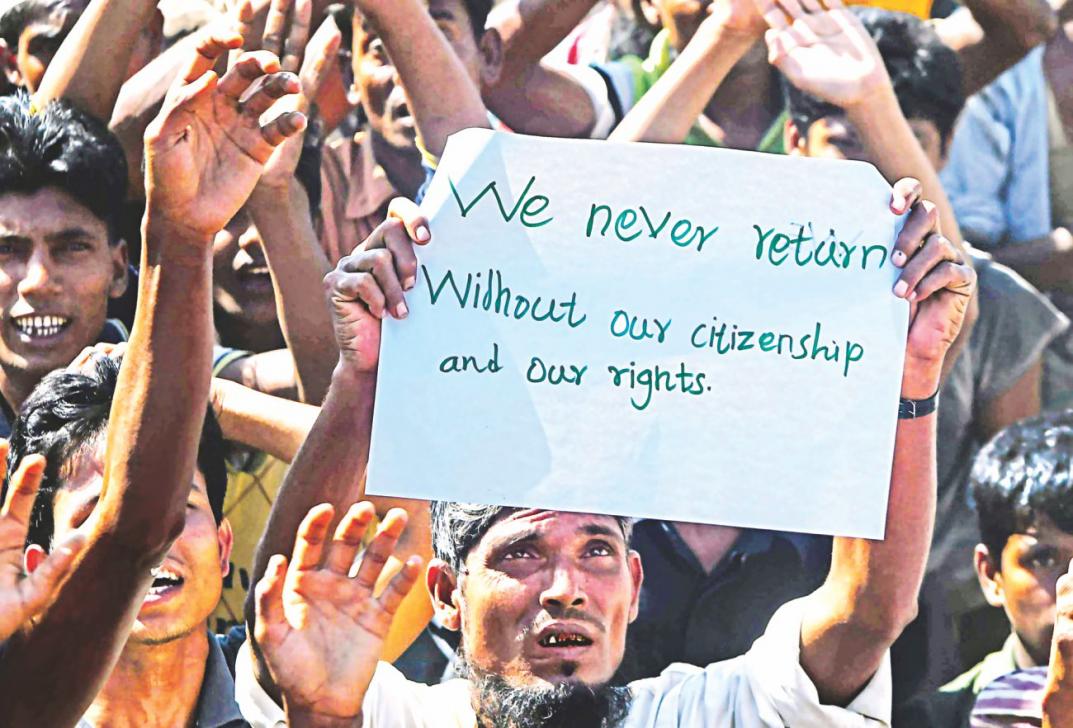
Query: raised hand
{"points": [[320, 629], [825, 52], [23, 597], [1058, 698], [207, 148], [937, 281], [369, 284], [287, 35]]}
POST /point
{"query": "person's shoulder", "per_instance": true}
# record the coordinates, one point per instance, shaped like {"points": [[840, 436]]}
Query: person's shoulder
{"points": [[941, 709]]}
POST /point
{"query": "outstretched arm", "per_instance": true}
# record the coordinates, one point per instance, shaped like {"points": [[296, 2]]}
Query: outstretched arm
{"points": [[444, 99], [1058, 697], [670, 108], [203, 156], [531, 96], [281, 210], [260, 421], [91, 64], [870, 594]]}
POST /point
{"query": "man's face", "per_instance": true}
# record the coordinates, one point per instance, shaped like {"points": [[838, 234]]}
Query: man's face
{"points": [[1025, 586], [57, 272], [241, 283], [547, 596], [382, 95], [40, 40], [187, 586], [834, 137]]}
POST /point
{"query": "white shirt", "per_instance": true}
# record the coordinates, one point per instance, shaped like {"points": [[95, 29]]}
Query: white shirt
{"points": [[766, 687]]}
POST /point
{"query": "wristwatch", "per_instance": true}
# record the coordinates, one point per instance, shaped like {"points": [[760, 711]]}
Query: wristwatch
{"points": [[911, 409]]}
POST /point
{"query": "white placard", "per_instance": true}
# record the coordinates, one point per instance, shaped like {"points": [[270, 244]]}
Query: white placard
{"points": [[648, 330]]}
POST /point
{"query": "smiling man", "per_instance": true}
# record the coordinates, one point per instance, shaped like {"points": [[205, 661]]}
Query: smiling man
{"points": [[62, 186]]}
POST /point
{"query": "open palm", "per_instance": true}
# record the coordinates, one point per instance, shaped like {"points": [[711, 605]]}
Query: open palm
{"points": [[23, 597], [320, 629], [207, 148], [827, 53]]}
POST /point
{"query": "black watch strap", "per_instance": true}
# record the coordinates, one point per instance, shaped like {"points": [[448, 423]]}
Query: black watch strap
{"points": [[911, 409]]}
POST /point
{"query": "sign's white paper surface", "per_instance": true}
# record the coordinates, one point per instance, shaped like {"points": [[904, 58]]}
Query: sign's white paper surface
{"points": [[684, 288]]}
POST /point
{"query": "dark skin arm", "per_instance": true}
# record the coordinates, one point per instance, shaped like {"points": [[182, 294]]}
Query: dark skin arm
{"points": [[203, 157]]}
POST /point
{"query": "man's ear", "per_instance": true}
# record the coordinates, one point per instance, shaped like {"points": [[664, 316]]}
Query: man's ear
{"points": [[120, 269], [989, 572], [225, 540], [443, 588], [792, 139], [637, 577], [491, 50], [33, 558]]}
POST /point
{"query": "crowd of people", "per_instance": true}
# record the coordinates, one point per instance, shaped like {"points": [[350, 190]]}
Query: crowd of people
{"points": [[207, 209]]}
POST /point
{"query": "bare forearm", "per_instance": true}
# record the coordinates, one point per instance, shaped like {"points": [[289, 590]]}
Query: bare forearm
{"points": [[91, 64], [871, 592], [298, 266], [149, 466], [1011, 28], [897, 153], [1047, 262], [670, 108], [273, 425], [443, 97]]}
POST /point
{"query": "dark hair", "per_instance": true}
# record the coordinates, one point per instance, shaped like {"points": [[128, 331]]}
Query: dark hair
{"points": [[1025, 472], [65, 416], [22, 14], [62, 147], [478, 15], [458, 527], [925, 73]]}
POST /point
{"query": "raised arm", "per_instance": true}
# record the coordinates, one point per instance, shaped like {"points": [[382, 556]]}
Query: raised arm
{"points": [[670, 108], [530, 95], [330, 467], [990, 36], [91, 64], [204, 154], [281, 210], [870, 594], [443, 96]]}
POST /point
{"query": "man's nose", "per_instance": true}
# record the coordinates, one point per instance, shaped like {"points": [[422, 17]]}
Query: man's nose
{"points": [[250, 239], [37, 275], [565, 590]]}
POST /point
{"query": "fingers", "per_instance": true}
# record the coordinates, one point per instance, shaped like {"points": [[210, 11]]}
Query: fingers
{"points": [[906, 193], [381, 548], [39, 588], [268, 91], [294, 47], [400, 585], [22, 490], [248, 68], [348, 536], [409, 214], [349, 287], [922, 222], [268, 595], [210, 47], [276, 26], [312, 533], [380, 264], [958, 278], [284, 126], [320, 54], [936, 250]]}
